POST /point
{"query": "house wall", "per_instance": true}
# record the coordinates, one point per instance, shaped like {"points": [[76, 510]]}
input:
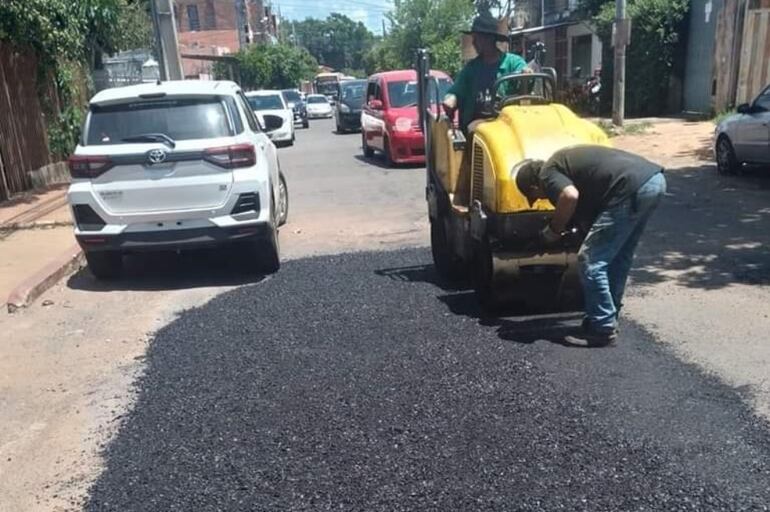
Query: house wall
{"points": [[596, 46]]}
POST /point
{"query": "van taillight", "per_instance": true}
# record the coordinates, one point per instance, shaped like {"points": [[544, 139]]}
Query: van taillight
{"points": [[85, 166], [231, 157]]}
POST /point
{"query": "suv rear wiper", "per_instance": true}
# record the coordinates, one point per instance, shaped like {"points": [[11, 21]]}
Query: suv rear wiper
{"points": [[152, 137]]}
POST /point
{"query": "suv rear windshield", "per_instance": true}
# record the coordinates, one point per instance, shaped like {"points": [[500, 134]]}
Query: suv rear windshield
{"points": [[180, 119], [266, 102]]}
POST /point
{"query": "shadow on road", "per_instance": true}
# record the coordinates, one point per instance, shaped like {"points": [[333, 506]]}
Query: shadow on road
{"points": [[709, 232], [518, 322], [379, 161], [172, 271]]}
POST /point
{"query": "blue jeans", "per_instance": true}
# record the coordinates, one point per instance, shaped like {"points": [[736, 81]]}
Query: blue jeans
{"points": [[607, 253]]}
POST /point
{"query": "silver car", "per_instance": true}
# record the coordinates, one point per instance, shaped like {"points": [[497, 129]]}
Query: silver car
{"points": [[744, 138]]}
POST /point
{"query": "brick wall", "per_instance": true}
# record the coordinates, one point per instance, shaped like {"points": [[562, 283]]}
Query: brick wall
{"points": [[211, 15]]}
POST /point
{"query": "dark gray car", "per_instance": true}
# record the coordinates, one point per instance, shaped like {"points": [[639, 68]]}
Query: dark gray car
{"points": [[297, 105], [349, 105]]}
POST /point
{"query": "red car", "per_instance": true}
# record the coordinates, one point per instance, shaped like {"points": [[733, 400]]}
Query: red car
{"points": [[389, 120]]}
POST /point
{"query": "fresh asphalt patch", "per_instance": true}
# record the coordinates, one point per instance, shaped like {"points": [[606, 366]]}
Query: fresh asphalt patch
{"points": [[356, 382]]}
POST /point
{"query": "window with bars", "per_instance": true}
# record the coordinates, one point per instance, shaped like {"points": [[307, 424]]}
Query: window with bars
{"points": [[209, 16], [193, 21]]}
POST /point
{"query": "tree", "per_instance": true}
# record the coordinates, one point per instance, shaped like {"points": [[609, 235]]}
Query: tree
{"points": [[272, 66], [65, 35], [337, 41], [656, 36], [432, 24]]}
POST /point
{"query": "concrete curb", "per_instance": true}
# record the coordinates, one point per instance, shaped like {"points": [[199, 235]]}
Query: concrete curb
{"points": [[35, 285]]}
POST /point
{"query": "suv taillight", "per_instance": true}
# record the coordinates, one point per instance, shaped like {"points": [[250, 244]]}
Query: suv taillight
{"points": [[231, 157], [88, 166]]}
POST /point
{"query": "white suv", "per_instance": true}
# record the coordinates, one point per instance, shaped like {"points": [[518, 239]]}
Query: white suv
{"points": [[175, 165]]}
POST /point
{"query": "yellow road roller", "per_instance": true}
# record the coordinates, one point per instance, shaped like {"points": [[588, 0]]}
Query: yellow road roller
{"points": [[481, 225]]}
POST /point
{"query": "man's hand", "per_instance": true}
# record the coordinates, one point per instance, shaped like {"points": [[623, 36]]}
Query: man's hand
{"points": [[548, 236], [450, 105]]}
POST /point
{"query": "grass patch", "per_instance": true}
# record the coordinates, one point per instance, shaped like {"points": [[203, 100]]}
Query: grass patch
{"points": [[721, 116], [630, 128]]}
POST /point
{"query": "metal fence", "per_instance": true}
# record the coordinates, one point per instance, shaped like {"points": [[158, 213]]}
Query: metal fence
{"points": [[127, 68]]}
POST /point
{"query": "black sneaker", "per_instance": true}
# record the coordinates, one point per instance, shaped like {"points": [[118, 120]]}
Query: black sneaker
{"points": [[592, 337]]}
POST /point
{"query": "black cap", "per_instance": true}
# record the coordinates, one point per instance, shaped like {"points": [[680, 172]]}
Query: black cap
{"points": [[527, 177]]}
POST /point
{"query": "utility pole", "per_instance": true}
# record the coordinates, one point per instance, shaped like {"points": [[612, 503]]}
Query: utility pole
{"points": [[622, 36], [165, 36]]}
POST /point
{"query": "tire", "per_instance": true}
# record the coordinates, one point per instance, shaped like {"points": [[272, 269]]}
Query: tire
{"points": [[283, 201], [482, 278], [727, 162], [387, 154], [447, 264], [267, 251], [368, 152], [105, 264], [305, 123]]}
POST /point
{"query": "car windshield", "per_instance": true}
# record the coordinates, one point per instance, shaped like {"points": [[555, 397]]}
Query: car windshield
{"points": [[178, 119], [317, 99], [326, 87], [403, 93], [292, 96], [353, 93], [265, 102]]}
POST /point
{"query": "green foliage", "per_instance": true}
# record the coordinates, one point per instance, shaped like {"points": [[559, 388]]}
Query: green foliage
{"points": [[658, 26], [722, 116], [64, 34], [432, 24], [273, 67], [337, 41], [68, 29]]}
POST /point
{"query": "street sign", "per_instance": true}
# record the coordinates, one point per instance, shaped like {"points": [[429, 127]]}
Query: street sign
{"points": [[621, 32]]}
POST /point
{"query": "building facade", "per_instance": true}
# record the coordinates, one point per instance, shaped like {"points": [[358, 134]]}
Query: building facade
{"points": [[572, 47], [209, 28]]}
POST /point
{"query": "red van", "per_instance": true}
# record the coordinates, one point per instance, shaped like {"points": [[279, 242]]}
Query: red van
{"points": [[389, 120]]}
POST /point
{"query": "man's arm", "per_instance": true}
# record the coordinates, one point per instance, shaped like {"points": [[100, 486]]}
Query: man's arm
{"points": [[565, 208], [458, 88]]}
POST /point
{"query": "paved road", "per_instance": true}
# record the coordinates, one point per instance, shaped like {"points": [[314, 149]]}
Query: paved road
{"points": [[342, 202], [359, 382]]}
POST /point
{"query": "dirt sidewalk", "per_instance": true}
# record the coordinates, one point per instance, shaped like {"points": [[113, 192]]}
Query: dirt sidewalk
{"points": [[702, 273]]}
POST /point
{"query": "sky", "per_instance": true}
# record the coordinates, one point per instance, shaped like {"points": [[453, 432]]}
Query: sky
{"points": [[369, 12]]}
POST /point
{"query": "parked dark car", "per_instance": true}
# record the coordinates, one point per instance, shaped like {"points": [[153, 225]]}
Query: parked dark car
{"points": [[297, 105], [351, 101]]}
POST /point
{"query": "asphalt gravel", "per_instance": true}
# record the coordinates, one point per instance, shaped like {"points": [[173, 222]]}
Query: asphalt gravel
{"points": [[357, 382]]}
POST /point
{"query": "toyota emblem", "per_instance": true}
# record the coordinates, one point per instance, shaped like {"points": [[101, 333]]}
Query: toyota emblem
{"points": [[156, 156]]}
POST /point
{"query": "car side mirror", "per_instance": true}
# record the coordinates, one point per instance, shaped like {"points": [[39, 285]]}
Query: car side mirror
{"points": [[375, 105], [744, 108], [272, 123]]}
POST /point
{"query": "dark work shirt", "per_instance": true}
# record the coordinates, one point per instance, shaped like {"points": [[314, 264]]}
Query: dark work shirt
{"points": [[482, 83], [604, 177]]}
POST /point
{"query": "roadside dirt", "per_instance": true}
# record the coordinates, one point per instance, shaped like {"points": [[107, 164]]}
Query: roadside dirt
{"points": [[702, 273], [66, 371]]}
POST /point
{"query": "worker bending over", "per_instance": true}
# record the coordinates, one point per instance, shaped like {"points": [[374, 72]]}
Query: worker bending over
{"points": [[610, 194]]}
